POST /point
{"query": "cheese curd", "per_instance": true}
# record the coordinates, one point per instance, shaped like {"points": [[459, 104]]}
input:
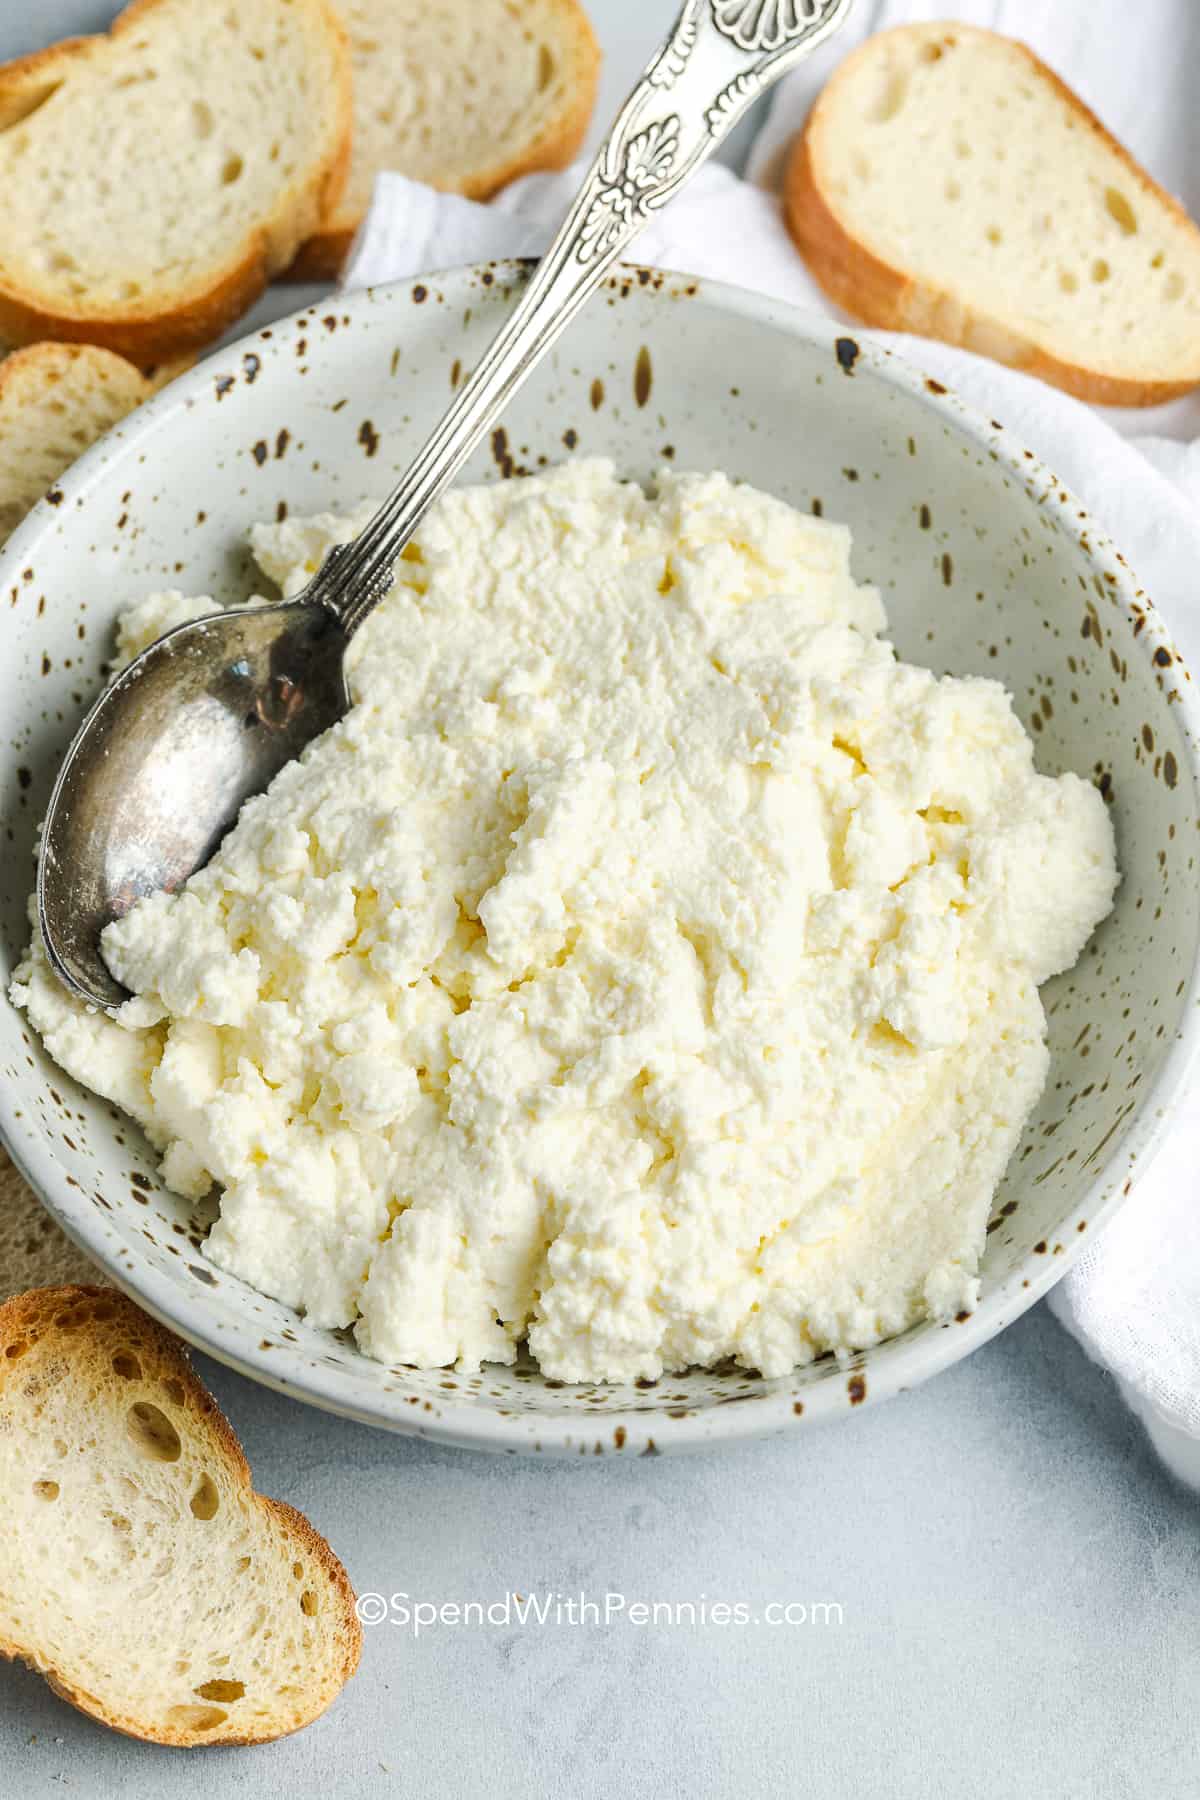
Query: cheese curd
{"points": [[646, 967]]}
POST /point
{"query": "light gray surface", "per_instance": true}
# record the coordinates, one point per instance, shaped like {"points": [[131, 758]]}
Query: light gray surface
{"points": [[1020, 1582]]}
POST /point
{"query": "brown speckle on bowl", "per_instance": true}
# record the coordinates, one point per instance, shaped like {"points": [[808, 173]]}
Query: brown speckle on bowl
{"points": [[501, 455], [643, 376]]}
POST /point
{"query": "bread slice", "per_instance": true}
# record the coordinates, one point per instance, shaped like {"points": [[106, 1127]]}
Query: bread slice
{"points": [[55, 401], [139, 1570], [155, 178], [466, 96], [948, 183]]}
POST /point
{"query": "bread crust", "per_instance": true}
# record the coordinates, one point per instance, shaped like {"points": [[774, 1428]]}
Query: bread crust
{"points": [[101, 1314], [27, 78], [322, 256], [48, 356], [198, 313], [883, 295]]}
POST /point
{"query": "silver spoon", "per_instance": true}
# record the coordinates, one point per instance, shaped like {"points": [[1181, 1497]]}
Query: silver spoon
{"points": [[210, 713]]}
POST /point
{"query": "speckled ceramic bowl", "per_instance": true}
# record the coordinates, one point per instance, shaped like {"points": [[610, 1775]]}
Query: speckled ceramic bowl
{"points": [[986, 565]]}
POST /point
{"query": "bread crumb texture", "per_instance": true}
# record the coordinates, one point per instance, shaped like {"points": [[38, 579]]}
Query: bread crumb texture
{"points": [[56, 400], [139, 1571], [465, 96]]}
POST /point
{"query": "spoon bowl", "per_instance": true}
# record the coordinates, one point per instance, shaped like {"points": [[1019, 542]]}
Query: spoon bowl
{"points": [[202, 719]]}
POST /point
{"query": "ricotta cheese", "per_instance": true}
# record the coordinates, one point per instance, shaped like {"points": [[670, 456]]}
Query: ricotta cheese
{"points": [[646, 967]]}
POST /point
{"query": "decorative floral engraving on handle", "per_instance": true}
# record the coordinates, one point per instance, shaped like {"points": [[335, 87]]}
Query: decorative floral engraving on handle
{"points": [[641, 185], [717, 57], [669, 65], [730, 101], [764, 24]]}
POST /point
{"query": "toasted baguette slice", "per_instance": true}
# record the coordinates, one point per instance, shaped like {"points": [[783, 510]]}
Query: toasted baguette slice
{"points": [[155, 178], [465, 96], [55, 401], [948, 183], [139, 1570]]}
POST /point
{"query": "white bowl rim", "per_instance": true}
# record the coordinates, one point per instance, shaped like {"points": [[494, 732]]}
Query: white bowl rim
{"points": [[897, 1364]]}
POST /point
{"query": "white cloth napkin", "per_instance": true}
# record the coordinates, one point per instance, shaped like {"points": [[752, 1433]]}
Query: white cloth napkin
{"points": [[1133, 1300]]}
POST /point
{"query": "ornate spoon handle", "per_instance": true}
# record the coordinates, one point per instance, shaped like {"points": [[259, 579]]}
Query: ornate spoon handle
{"points": [[720, 55]]}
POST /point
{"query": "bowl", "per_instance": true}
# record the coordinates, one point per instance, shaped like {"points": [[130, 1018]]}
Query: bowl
{"points": [[987, 566]]}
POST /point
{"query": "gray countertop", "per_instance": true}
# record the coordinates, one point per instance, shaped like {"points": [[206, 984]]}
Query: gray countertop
{"points": [[994, 1588], [1017, 1581]]}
